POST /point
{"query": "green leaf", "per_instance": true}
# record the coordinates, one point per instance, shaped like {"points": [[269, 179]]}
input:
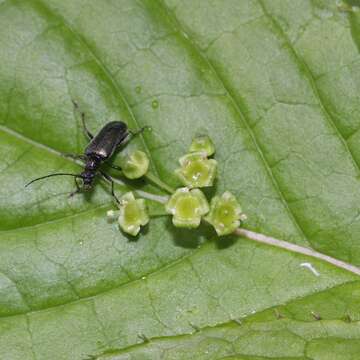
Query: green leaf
{"points": [[274, 84]]}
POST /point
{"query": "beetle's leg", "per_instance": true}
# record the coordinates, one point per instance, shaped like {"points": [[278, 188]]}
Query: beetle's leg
{"points": [[76, 156], [123, 142], [109, 178], [131, 135], [114, 167], [86, 130], [78, 189], [139, 131]]}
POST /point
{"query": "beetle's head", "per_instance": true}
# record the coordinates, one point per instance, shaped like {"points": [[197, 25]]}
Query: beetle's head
{"points": [[87, 178]]}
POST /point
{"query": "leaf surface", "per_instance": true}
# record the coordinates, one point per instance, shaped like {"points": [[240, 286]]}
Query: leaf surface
{"points": [[275, 84]]}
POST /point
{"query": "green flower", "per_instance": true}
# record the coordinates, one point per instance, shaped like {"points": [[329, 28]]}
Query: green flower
{"points": [[187, 207], [225, 214], [135, 165], [197, 170], [131, 215], [202, 144]]}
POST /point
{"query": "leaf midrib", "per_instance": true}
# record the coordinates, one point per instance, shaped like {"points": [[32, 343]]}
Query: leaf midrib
{"points": [[57, 153], [53, 151]]}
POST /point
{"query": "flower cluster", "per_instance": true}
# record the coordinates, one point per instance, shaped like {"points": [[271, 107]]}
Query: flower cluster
{"points": [[187, 205]]}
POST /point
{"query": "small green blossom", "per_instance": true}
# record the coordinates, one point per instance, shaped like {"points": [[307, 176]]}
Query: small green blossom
{"points": [[135, 165], [197, 170], [187, 207], [225, 214], [202, 144], [132, 214]]}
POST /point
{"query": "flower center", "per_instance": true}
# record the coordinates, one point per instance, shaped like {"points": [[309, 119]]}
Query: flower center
{"points": [[225, 214], [186, 207], [196, 171], [132, 213]]}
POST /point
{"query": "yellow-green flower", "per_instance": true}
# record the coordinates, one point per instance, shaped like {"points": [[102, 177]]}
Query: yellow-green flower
{"points": [[202, 144], [135, 165], [225, 214], [132, 214], [197, 170], [187, 207]]}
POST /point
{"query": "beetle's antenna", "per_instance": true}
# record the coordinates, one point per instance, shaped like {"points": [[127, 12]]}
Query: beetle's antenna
{"points": [[50, 175]]}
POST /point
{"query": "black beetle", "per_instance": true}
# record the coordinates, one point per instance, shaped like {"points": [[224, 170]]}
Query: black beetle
{"points": [[101, 147]]}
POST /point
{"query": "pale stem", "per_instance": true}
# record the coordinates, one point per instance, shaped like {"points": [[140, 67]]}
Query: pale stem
{"points": [[264, 239]]}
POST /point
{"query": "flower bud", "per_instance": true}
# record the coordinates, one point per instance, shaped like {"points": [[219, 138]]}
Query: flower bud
{"points": [[202, 144], [135, 165]]}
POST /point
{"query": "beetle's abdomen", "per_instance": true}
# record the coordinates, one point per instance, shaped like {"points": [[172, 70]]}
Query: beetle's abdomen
{"points": [[109, 137]]}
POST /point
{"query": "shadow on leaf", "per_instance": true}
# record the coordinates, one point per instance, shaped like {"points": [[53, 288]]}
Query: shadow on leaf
{"points": [[193, 238]]}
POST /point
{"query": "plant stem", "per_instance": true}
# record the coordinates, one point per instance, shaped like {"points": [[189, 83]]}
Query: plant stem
{"points": [[157, 198], [264, 239], [159, 183]]}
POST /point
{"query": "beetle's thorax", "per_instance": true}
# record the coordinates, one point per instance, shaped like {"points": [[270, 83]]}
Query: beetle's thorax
{"points": [[89, 173], [92, 163]]}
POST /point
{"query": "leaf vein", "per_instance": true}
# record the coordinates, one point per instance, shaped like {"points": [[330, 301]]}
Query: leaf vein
{"points": [[327, 113], [115, 84], [242, 117]]}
